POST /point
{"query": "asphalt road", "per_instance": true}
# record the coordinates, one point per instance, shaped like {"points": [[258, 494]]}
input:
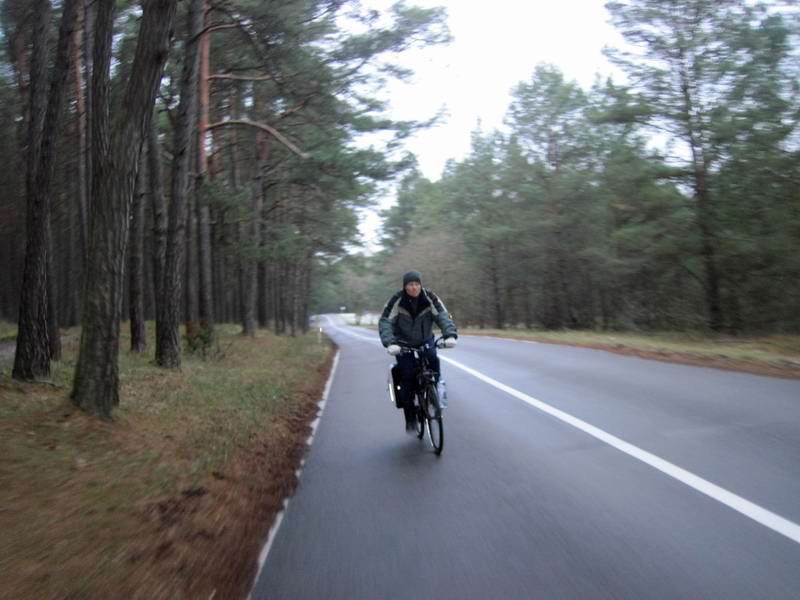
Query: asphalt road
{"points": [[566, 473]]}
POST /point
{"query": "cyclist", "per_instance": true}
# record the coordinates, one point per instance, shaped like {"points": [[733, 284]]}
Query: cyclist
{"points": [[408, 319]]}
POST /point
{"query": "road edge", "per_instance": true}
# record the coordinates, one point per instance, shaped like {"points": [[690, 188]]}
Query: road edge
{"points": [[273, 531]]}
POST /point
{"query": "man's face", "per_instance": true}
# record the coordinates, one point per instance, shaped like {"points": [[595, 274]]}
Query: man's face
{"points": [[413, 288]]}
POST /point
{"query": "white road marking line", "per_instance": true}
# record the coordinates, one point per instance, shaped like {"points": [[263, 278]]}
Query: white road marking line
{"points": [[502, 339], [741, 505], [262, 558], [345, 331], [749, 509]]}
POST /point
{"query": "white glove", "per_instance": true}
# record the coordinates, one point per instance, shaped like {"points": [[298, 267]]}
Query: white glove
{"points": [[393, 349], [450, 342]]}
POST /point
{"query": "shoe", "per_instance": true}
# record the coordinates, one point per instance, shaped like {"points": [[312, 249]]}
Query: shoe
{"points": [[411, 425]]}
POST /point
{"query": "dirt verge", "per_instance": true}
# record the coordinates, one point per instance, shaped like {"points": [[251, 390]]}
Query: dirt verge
{"points": [[175, 497]]}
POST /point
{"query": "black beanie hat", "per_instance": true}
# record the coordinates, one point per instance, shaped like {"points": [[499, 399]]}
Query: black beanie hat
{"points": [[412, 276]]}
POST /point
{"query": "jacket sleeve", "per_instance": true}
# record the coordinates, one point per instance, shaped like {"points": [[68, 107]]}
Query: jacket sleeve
{"points": [[387, 321], [442, 317]]}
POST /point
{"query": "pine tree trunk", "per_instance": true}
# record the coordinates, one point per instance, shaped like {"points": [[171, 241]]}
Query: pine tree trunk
{"points": [[284, 297], [158, 206], [116, 153], [89, 10], [218, 265], [206, 283], [276, 298], [263, 290], [191, 311], [203, 93], [708, 252], [77, 256], [249, 289], [305, 294], [259, 223], [254, 239], [704, 209], [168, 342], [52, 301], [77, 69], [136, 266], [206, 307], [32, 358], [497, 296]]}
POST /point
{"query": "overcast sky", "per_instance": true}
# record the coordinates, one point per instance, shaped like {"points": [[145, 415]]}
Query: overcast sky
{"points": [[495, 45]]}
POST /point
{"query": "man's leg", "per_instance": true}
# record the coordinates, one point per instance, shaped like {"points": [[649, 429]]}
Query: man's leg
{"points": [[433, 360], [405, 396]]}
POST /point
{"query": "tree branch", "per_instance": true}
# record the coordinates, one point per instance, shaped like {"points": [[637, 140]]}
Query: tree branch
{"points": [[263, 127], [241, 77]]}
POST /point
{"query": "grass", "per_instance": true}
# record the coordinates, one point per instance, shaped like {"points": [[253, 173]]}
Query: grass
{"points": [[8, 331], [142, 506], [770, 355]]}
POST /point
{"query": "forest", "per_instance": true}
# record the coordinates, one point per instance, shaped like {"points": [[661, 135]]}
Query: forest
{"points": [[668, 202], [191, 163], [196, 163]]}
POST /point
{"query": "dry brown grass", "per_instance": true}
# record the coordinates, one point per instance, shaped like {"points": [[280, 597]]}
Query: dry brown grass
{"points": [[172, 499], [8, 331], [772, 355]]}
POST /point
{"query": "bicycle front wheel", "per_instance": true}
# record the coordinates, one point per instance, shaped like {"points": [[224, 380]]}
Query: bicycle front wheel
{"points": [[433, 416], [420, 416]]}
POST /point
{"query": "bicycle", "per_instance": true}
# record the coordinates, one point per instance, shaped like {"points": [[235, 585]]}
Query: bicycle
{"points": [[427, 403]]}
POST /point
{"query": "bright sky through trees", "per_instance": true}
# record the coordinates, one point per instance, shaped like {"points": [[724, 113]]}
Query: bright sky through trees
{"points": [[495, 46]]}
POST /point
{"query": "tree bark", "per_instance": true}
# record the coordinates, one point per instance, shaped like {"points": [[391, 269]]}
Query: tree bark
{"points": [[191, 311], [116, 154], [255, 240], [293, 306], [276, 298], [705, 219], [136, 267], [206, 284], [158, 207], [250, 290], [53, 335], [32, 358], [202, 121], [218, 263], [77, 69], [704, 210], [168, 340], [89, 7], [305, 293], [74, 275], [494, 278], [261, 300]]}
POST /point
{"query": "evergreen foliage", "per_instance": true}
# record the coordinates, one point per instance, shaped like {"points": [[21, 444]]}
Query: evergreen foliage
{"points": [[668, 203]]}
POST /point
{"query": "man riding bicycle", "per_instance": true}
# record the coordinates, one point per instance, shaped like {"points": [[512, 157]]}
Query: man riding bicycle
{"points": [[408, 319]]}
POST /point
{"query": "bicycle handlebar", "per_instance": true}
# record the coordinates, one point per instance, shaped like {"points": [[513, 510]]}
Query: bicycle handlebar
{"points": [[438, 343]]}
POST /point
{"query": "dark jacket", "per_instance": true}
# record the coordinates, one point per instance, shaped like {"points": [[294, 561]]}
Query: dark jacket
{"points": [[401, 323]]}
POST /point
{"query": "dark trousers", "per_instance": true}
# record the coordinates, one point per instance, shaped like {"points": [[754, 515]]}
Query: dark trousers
{"points": [[406, 371]]}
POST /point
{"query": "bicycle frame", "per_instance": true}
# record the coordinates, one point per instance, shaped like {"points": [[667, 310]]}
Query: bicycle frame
{"points": [[429, 412], [424, 374]]}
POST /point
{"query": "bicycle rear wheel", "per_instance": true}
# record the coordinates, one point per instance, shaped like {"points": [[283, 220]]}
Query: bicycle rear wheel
{"points": [[433, 416]]}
